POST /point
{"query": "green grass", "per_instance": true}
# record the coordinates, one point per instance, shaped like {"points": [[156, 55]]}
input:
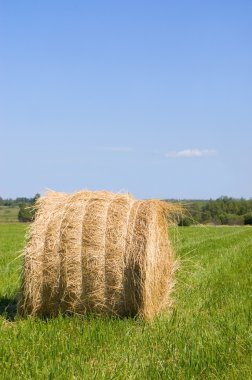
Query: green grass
{"points": [[8, 214], [207, 335]]}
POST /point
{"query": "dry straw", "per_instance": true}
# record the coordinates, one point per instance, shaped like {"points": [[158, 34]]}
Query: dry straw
{"points": [[98, 252]]}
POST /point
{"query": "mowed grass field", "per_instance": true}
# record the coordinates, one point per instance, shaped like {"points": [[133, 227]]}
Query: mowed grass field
{"points": [[206, 335], [8, 214]]}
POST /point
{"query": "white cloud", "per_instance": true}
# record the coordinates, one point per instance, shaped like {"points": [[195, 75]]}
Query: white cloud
{"points": [[112, 149], [189, 153]]}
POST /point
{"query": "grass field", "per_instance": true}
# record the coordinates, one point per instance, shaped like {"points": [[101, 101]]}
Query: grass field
{"points": [[207, 334], [8, 214]]}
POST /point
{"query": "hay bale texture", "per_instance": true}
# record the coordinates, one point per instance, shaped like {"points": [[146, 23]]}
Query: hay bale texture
{"points": [[97, 252]]}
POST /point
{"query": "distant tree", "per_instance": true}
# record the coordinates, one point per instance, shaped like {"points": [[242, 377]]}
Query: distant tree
{"points": [[35, 198]]}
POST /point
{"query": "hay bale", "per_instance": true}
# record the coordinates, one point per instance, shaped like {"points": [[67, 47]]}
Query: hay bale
{"points": [[97, 252]]}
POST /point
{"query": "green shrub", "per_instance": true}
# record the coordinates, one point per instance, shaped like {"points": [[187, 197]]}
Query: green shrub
{"points": [[26, 213], [27, 210], [231, 219], [185, 221], [248, 218]]}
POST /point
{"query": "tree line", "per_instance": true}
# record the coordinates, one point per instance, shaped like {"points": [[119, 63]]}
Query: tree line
{"points": [[16, 202], [222, 211]]}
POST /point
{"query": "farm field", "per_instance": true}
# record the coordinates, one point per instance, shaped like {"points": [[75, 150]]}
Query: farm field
{"points": [[8, 214], [206, 335]]}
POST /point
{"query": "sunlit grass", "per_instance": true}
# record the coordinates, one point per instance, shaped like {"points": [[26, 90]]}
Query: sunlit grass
{"points": [[207, 334]]}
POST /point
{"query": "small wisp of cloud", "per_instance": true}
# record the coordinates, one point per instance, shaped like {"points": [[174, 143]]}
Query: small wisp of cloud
{"points": [[190, 153], [187, 153]]}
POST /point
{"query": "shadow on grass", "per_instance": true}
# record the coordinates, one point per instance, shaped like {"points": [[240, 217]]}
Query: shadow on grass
{"points": [[8, 308]]}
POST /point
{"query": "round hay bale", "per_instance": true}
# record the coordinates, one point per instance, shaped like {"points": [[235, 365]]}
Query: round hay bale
{"points": [[98, 252]]}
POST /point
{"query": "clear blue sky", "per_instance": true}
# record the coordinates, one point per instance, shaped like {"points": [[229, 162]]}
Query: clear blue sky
{"points": [[150, 97]]}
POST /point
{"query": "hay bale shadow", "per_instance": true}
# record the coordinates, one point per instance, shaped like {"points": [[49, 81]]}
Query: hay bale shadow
{"points": [[8, 308]]}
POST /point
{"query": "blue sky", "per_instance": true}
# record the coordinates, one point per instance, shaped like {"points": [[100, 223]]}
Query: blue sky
{"points": [[150, 97]]}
